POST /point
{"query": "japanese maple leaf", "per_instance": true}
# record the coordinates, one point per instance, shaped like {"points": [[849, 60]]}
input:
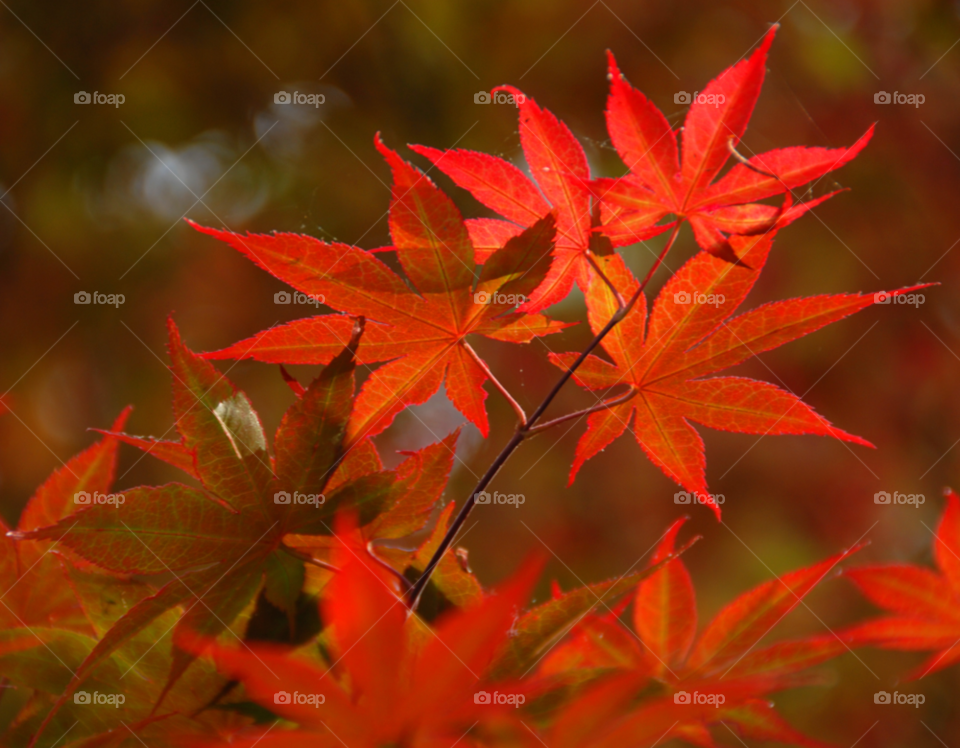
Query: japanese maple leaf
{"points": [[34, 591], [425, 474], [560, 181], [223, 543], [664, 646], [691, 333], [660, 183], [923, 605], [420, 333], [394, 681], [40, 659]]}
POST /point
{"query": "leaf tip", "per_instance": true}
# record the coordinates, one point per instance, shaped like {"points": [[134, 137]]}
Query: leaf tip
{"points": [[519, 96], [613, 72], [292, 383]]}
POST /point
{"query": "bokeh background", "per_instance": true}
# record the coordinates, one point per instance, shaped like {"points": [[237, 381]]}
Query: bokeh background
{"points": [[91, 203]]}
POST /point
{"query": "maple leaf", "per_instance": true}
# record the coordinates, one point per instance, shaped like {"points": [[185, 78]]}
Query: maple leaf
{"points": [[224, 543], [722, 660], [560, 181], [394, 679], [690, 334], [424, 477], [35, 591], [421, 333], [55, 606], [39, 661], [923, 605], [659, 183]]}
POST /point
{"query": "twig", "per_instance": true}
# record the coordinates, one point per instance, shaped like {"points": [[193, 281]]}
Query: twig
{"points": [[413, 596], [605, 405]]}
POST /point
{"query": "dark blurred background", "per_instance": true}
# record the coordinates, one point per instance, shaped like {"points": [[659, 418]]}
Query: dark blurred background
{"points": [[93, 197]]}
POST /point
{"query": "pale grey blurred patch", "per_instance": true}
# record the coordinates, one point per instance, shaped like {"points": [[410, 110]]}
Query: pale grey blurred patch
{"points": [[421, 425], [285, 129], [165, 182]]}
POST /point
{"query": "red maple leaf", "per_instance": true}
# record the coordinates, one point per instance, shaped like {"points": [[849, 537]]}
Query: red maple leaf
{"points": [[420, 333], [660, 183], [35, 587], [690, 334], [392, 679], [723, 661], [924, 606], [560, 180]]}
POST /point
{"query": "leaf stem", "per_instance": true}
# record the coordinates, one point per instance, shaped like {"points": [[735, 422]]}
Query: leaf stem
{"points": [[413, 595], [496, 383], [404, 582], [613, 289]]}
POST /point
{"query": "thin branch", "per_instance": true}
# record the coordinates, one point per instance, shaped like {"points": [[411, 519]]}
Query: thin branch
{"points": [[605, 405], [413, 596], [616, 293], [404, 582], [496, 383]]}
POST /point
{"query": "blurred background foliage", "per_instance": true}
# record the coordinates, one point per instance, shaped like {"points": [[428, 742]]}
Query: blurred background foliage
{"points": [[93, 198]]}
